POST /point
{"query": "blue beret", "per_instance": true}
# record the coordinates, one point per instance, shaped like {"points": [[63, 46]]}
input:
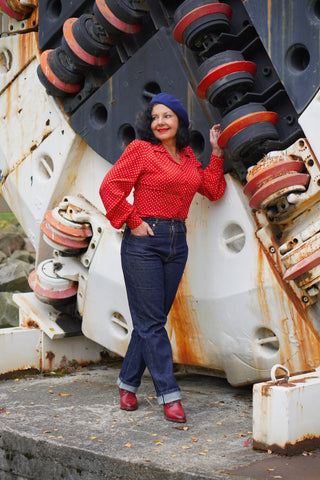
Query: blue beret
{"points": [[174, 104]]}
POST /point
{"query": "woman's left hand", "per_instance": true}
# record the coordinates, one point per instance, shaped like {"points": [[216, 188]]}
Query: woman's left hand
{"points": [[214, 136]]}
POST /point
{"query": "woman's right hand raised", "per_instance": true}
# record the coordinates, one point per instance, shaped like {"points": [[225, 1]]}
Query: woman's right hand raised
{"points": [[143, 230]]}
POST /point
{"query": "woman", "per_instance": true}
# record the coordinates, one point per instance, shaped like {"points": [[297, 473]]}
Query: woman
{"points": [[165, 175]]}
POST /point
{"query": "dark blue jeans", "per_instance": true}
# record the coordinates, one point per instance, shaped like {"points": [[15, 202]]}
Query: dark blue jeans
{"points": [[152, 267]]}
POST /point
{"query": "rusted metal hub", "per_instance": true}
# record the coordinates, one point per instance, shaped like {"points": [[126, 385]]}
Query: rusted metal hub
{"points": [[273, 178]]}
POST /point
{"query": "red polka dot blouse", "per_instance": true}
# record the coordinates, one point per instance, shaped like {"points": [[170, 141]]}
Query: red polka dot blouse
{"points": [[162, 187]]}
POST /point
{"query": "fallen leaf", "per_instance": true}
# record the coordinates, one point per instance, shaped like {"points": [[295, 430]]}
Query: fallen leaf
{"points": [[185, 447], [242, 434], [64, 394], [147, 460], [173, 456], [31, 403], [269, 452], [47, 431], [128, 445], [60, 436], [194, 439], [56, 416], [270, 469], [218, 423], [98, 420], [209, 440], [277, 476], [154, 435], [202, 453], [101, 441], [93, 438], [50, 391]]}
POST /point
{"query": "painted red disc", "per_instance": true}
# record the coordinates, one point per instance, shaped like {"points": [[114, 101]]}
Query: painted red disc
{"points": [[8, 10], [82, 231], [53, 294], [63, 240], [223, 71], [270, 171], [198, 13], [303, 266], [276, 184], [243, 122]]}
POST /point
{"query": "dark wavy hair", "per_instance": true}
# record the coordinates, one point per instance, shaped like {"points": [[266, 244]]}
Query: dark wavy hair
{"points": [[144, 131]]}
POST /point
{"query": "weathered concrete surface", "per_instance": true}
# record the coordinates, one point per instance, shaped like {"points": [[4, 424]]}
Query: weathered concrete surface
{"points": [[71, 427]]}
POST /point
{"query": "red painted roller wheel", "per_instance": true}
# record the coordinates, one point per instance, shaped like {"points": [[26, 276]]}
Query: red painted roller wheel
{"points": [[270, 171], [56, 220], [77, 49], [303, 266], [48, 286], [225, 84], [63, 239], [293, 180], [111, 22], [194, 20], [14, 9], [243, 122], [51, 80]]}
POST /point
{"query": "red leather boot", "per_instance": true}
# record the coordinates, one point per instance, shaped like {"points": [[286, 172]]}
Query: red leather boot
{"points": [[174, 412], [128, 400]]}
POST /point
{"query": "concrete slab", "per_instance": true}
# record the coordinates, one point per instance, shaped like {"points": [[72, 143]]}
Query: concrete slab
{"points": [[71, 427]]}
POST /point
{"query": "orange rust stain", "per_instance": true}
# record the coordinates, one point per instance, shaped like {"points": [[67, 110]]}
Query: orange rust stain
{"points": [[50, 357], [184, 329], [32, 324], [299, 341]]}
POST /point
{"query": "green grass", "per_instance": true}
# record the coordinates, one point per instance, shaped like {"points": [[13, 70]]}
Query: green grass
{"points": [[7, 220]]}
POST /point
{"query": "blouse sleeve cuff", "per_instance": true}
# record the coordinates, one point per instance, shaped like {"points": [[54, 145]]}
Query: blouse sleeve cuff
{"points": [[217, 160], [133, 220]]}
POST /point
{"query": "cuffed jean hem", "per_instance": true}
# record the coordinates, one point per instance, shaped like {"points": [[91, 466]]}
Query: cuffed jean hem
{"points": [[169, 397], [125, 386]]}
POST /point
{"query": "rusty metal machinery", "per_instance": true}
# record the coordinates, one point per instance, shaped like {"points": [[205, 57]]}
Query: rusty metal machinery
{"points": [[99, 62]]}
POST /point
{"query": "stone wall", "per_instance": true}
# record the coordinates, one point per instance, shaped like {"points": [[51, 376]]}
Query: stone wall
{"points": [[17, 258]]}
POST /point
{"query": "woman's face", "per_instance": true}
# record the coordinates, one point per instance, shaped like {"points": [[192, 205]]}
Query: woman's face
{"points": [[164, 123]]}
